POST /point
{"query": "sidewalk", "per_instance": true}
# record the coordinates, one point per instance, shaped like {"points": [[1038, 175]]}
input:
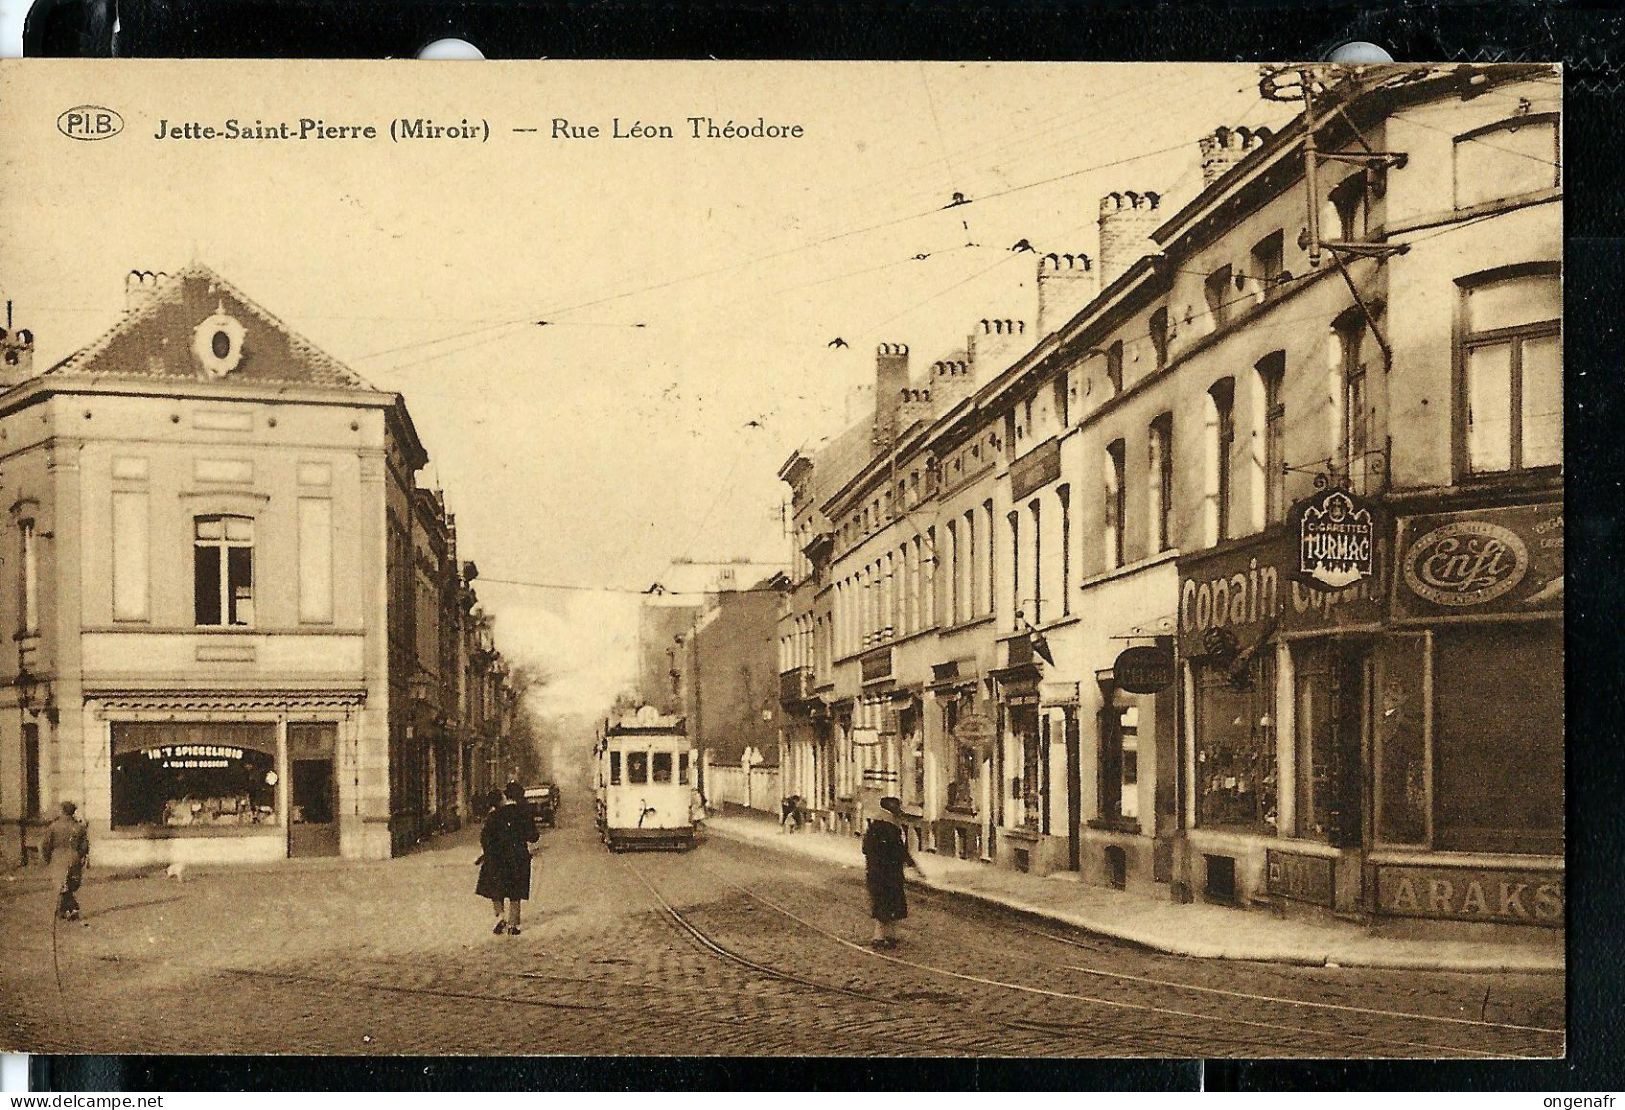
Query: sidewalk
{"points": [[1197, 929]]}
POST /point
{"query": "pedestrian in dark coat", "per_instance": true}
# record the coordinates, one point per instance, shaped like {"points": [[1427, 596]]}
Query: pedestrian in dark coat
{"points": [[885, 854], [505, 860], [66, 851]]}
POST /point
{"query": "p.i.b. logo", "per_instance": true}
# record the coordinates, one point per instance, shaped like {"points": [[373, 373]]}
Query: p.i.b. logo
{"points": [[89, 122]]}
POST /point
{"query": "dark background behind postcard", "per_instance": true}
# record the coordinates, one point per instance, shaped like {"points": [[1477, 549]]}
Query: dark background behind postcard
{"points": [[1588, 39]]}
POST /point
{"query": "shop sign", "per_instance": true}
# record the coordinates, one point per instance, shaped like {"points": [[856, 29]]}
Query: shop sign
{"points": [[1144, 670], [193, 757], [1058, 693], [1037, 468], [1471, 894], [876, 665], [1507, 560], [1244, 591], [1337, 540], [974, 728], [1300, 878]]}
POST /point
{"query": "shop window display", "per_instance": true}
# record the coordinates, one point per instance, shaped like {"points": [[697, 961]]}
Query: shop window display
{"points": [[194, 776], [1235, 746]]}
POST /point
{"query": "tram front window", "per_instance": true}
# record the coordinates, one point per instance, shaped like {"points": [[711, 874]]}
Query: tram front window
{"points": [[615, 768], [682, 768], [637, 768], [662, 766]]}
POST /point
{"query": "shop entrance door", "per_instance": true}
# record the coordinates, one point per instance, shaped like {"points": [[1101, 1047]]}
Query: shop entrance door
{"points": [[1074, 793], [312, 790]]}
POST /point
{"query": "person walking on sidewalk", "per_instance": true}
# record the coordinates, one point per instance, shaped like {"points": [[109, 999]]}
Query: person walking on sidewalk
{"points": [[885, 854], [504, 863], [66, 851]]}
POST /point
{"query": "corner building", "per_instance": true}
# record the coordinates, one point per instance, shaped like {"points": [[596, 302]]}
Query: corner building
{"points": [[209, 541]]}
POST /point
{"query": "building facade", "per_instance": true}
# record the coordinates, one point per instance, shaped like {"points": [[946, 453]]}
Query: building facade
{"points": [[1073, 623], [185, 494]]}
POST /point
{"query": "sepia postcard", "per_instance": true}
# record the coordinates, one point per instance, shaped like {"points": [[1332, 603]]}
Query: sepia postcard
{"points": [[723, 559]]}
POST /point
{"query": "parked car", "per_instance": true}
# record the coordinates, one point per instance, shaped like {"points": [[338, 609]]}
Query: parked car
{"points": [[543, 800]]}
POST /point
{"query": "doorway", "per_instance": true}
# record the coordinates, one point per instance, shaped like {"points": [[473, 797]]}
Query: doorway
{"points": [[312, 791]]}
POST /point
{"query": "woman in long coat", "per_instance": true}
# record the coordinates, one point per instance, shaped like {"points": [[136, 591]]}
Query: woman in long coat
{"points": [[505, 863], [66, 850], [885, 854]]}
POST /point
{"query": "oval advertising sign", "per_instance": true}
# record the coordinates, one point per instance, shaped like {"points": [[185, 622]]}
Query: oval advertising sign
{"points": [[89, 122], [1466, 563]]}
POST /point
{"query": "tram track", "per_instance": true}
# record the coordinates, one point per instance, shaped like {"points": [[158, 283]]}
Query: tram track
{"points": [[1271, 1032]]}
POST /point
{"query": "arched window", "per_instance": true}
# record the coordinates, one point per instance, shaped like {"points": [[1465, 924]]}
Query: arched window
{"points": [[223, 570], [1116, 503], [1271, 370], [1220, 435]]}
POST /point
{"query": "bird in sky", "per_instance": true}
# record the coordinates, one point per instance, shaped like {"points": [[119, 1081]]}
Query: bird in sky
{"points": [[959, 198], [836, 342], [1022, 245]]}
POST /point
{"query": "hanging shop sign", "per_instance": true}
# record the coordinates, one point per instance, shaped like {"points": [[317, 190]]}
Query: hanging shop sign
{"points": [[1507, 560], [1471, 894], [1144, 669], [1336, 534], [1057, 693], [1240, 593], [974, 728]]}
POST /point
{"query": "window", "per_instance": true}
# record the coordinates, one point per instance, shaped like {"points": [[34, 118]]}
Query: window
{"points": [[1114, 367], [1344, 215], [31, 770], [1507, 159], [1014, 519], [1119, 754], [1161, 485], [1221, 435], [1063, 494], [1267, 266], [637, 768], [987, 516], [1061, 410], [1216, 287], [682, 768], [1353, 408], [1235, 746], [1511, 394], [193, 776], [1159, 336], [951, 601], [662, 767], [971, 564], [28, 579], [1038, 560], [615, 768], [1116, 503], [315, 559], [1271, 371], [223, 570]]}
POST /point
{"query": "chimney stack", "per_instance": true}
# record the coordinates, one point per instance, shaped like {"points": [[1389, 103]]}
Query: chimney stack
{"points": [[951, 382], [891, 378], [993, 345], [16, 354], [914, 405], [141, 286], [1066, 282], [1126, 222], [1227, 146]]}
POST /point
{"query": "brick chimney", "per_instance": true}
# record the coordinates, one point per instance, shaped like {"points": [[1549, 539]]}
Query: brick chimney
{"points": [[914, 405], [1227, 146], [951, 382], [1126, 222], [16, 353], [141, 286], [1066, 282], [993, 345], [891, 378]]}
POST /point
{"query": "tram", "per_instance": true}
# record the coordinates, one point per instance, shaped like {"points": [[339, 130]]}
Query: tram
{"points": [[645, 780]]}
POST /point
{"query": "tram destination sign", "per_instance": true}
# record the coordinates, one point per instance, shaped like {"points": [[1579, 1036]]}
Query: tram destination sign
{"points": [[1337, 540]]}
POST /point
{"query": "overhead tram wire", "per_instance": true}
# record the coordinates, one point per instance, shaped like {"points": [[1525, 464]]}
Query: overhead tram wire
{"points": [[631, 591]]}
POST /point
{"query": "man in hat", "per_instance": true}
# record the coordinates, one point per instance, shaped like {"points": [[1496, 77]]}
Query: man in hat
{"points": [[66, 851], [885, 854]]}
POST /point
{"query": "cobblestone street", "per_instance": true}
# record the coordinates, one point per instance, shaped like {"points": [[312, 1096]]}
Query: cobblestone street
{"points": [[730, 949]]}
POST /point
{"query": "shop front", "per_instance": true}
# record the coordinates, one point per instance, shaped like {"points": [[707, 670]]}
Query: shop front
{"points": [[1469, 805], [968, 734], [214, 790], [1023, 767], [1277, 681]]}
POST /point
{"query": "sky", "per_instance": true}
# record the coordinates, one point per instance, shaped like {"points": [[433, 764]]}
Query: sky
{"points": [[690, 288]]}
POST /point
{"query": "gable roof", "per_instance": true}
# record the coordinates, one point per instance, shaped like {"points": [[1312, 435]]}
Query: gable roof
{"points": [[154, 342]]}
